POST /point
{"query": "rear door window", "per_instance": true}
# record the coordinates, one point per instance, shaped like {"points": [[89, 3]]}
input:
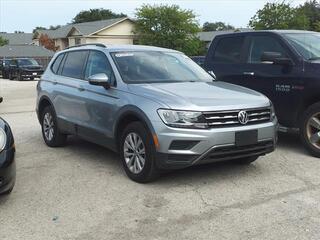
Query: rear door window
{"points": [[73, 65], [262, 44], [229, 50]]}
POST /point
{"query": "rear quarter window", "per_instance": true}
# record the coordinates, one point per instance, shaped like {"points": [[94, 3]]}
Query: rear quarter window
{"points": [[56, 63], [228, 50]]}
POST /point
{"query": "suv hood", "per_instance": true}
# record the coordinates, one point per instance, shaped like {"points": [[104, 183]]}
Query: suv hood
{"points": [[31, 67], [201, 96]]}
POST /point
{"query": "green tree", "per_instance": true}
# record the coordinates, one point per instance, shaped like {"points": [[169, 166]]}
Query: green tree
{"points": [[39, 28], [311, 10], [278, 16], [52, 27], [216, 26], [168, 26], [3, 41], [95, 15]]}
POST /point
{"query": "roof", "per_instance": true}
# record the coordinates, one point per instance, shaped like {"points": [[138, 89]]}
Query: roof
{"points": [[122, 48], [279, 32], [24, 51], [18, 38], [86, 28], [209, 36]]}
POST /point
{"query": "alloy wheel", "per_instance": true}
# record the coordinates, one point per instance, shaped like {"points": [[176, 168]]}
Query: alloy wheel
{"points": [[48, 126], [313, 130], [134, 153]]}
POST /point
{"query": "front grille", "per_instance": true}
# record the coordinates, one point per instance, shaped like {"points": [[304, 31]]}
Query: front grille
{"points": [[234, 152], [230, 118]]}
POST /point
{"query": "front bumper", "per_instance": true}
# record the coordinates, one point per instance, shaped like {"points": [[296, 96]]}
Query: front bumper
{"points": [[211, 145], [31, 74], [7, 169]]}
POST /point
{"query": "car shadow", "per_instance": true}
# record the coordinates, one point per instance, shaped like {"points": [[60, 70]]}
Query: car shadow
{"points": [[4, 198], [291, 142], [111, 160], [203, 173]]}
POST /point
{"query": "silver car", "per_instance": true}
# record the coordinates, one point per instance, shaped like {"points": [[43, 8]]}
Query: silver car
{"points": [[155, 106]]}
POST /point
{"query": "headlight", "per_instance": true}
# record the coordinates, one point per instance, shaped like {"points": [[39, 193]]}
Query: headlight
{"points": [[272, 112], [182, 119], [3, 139]]}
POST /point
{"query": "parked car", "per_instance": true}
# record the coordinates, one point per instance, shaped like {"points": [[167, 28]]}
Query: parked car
{"points": [[4, 68], [155, 106], [7, 161], [22, 68], [199, 60], [283, 65]]}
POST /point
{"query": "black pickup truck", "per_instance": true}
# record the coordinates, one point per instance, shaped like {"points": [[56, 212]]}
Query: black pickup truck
{"points": [[22, 68], [283, 65], [4, 67]]}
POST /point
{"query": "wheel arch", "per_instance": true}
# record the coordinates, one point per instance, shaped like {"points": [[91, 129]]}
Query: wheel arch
{"points": [[128, 115], [305, 105], [43, 103]]}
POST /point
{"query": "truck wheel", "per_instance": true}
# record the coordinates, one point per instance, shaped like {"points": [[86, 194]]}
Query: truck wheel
{"points": [[10, 76], [50, 131], [138, 153], [310, 129], [5, 75], [20, 78]]}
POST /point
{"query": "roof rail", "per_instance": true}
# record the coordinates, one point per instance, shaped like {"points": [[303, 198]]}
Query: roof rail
{"points": [[88, 44]]}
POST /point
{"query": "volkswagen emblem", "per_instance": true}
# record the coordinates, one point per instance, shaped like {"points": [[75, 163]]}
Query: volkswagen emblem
{"points": [[243, 117]]}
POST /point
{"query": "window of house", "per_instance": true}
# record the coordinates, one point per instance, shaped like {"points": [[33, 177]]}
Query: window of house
{"points": [[77, 41], [229, 50], [73, 66]]}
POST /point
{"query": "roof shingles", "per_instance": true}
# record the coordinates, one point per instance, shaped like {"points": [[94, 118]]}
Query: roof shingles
{"points": [[85, 29]]}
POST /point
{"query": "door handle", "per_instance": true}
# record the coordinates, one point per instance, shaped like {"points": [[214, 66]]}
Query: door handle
{"points": [[248, 73], [81, 89]]}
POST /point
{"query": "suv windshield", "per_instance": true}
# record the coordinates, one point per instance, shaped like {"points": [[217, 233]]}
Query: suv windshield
{"points": [[27, 62], [155, 66], [307, 44]]}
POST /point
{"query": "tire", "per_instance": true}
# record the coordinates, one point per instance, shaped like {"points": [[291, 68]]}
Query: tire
{"points": [[310, 129], [8, 191], [10, 76], [246, 160], [50, 131], [20, 78], [5, 75], [148, 170]]}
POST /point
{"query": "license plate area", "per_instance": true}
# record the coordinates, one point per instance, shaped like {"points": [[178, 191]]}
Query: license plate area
{"points": [[245, 138]]}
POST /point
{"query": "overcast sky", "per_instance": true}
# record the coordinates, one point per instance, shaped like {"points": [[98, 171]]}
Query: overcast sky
{"points": [[25, 15]]}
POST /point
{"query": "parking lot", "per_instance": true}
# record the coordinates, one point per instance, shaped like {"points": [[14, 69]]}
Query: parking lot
{"points": [[81, 192]]}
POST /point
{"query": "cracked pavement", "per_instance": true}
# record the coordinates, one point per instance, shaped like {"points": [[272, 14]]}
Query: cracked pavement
{"points": [[81, 192]]}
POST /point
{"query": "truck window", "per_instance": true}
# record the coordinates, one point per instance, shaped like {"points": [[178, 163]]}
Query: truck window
{"points": [[229, 50], [261, 44]]}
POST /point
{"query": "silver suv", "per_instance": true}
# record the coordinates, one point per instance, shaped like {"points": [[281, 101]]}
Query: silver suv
{"points": [[155, 106]]}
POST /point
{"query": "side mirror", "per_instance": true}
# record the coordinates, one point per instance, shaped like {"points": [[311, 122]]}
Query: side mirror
{"points": [[100, 79], [275, 58], [1, 99]]}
